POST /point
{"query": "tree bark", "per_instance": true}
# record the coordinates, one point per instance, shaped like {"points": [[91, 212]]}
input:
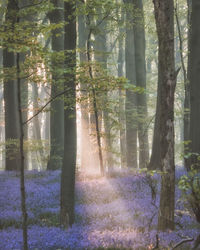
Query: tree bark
{"points": [[12, 132], [155, 160], [24, 108], [85, 138], [194, 81], [131, 101], [39, 151], [94, 115], [164, 16], [122, 115], [70, 136], [22, 157], [57, 106], [187, 94], [100, 52], [140, 65]]}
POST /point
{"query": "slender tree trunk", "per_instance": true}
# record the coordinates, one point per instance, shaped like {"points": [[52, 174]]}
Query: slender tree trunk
{"points": [[2, 134], [194, 81], [93, 146], [36, 124], [46, 116], [47, 127], [186, 101], [1, 94], [187, 93], [140, 65], [24, 108], [131, 101], [122, 116], [94, 100], [22, 158], [165, 29], [94, 155], [10, 96], [85, 138], [179, 60], [70, 136], [57, 106], [2, 139], [155, 160], [100, 53]]}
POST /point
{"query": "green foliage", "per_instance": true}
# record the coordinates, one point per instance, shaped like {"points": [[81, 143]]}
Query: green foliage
{"points": [[15, 223], [49, 219], [150, 172], [184, 183], [190, 186]]}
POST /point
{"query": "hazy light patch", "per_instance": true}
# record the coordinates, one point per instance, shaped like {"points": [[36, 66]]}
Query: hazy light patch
{"points": [[88, 158], [107, 206]]}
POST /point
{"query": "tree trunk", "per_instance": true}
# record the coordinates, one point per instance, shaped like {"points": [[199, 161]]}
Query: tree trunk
{"points": [[47, 127], [122, 116], [85, 138], [155, 160], [94, 115], [164, 17], [100, 47], [187, 94], [37, 127], [131, 101], [93, 145], [140, 65], [24, 108], [10, 97], [22, 156], [46, 116], [70, 136], [194, 81], [2, 134], [57, 106], [2, 139]]}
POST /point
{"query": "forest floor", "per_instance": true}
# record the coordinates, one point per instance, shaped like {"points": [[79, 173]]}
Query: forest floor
{"points": [[117, 212]]}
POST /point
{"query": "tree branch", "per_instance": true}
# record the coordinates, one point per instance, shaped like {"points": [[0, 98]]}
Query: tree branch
{"points": [[180, 44], [43, 107], [181, 242], [32, 5], [157, 243]]}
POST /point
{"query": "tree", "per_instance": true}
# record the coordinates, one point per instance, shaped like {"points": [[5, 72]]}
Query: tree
{"points": [[14, 85], [82, 37], [140, 70], [10, 91], [24, 83], [57, 106], [36, 128], [22, 156], [122, 116], [167, 76], [24, 106], [101, 57], [185, 74], [131, 101], [69, 160], [192, 100], [94, 114], [155, 160], [194, 79]]}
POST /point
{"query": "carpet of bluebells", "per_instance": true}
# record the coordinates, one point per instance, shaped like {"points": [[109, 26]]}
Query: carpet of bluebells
{"points": [[116, 212]]}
